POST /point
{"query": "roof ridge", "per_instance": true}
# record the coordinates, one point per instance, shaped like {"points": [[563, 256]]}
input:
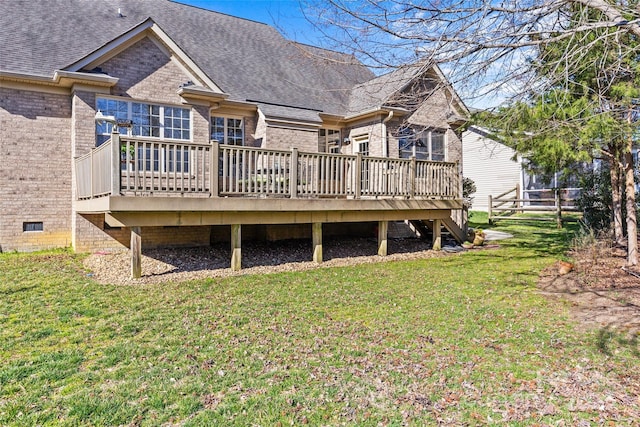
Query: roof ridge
{"points": [[321, 48], [219, 13]]}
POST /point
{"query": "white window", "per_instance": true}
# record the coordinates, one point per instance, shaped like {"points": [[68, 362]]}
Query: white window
{"points": [[329, 141], [424, 145], [147, 120], [227, 130], [361, 144]]}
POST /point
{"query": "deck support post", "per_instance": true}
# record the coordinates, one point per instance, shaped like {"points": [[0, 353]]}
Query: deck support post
{"points": [[437, 234], [136, 252], [236, 252], [383, 227], [316, 233]]}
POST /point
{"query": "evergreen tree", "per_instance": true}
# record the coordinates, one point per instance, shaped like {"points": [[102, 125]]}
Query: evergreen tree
{"points": [[593, 112]]}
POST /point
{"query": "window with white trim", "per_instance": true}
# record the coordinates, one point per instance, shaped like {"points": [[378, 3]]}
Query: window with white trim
{"points": [[148, 120], [361, 144], [227, 130], [424, 145]]}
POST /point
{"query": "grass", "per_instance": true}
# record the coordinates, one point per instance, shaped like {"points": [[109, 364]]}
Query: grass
{"points": [[460, 340]]}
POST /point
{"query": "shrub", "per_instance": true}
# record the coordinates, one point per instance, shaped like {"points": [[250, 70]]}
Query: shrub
{"points": [[595, 199], [468, 189]]}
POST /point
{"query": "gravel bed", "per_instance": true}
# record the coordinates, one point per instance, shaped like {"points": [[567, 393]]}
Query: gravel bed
{"points": [[182, 264]]}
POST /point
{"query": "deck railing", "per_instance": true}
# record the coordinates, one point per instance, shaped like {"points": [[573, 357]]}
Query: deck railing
{"points": [[144, 167], [93, 172]]}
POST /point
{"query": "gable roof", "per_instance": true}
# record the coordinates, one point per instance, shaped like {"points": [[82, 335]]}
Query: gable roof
{"points": [[377, 91], [248, 61], [384, 90]]}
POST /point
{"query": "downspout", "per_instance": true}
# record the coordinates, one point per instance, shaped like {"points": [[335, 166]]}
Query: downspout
{"points": [[385, 143]]}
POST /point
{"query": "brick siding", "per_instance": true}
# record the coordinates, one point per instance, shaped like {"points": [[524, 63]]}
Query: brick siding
{"points": [[285, 139], [101, 237], [35, 170], [146, 73]]}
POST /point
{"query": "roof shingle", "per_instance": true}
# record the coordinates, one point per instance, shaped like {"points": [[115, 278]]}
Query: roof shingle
{"points": [[248, 60]]}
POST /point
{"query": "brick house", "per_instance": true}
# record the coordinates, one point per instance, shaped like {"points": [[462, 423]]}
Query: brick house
{"points": [[154, 121]]}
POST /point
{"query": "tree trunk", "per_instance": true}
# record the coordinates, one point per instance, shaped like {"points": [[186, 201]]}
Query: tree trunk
{"points": [[630, 189], [616, 196]]}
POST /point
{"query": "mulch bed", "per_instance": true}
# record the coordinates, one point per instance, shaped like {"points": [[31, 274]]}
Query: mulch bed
{"points": [[603, 293]]}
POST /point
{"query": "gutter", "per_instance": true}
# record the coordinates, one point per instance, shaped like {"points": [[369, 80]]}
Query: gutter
{"points": [[375, 110], [385, 142], [61, 78]]}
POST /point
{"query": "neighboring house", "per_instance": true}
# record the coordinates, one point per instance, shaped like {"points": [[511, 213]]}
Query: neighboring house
{"points": [[497, 169], [152, 121], [494, 167]]}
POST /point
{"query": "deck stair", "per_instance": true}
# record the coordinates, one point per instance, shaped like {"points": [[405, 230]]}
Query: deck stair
{"points": [[456, 232], [422, 229], [425, 228]]}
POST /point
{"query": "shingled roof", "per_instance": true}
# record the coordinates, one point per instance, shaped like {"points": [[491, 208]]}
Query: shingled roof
{"points": [[376, 92], [248, 60]]}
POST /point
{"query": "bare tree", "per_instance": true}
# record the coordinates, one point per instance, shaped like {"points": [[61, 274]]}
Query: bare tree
{"points": [[488, 48]]}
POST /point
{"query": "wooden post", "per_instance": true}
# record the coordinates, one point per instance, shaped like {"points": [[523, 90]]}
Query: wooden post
{"points": [[412, 177], [214, 158], [437, 235], [490, 208], [316, 232], [558, 208], [115, 162], [293, 172], [91, 171], [518, 201], [236, 252], [383, 227], [136, 252], [358, 175], [460, 181]]}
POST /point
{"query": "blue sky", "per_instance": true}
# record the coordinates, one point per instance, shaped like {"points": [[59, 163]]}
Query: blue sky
{"points": [[285, 15]]}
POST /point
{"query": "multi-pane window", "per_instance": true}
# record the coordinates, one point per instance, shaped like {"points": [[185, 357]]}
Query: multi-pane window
{"points": [[176, 123], [437, 146], [361, 144], [329, 141], [147, 120], [227, 130], [424, 145]]}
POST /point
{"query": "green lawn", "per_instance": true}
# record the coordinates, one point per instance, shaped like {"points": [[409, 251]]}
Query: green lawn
{"points": [[461, 340]]}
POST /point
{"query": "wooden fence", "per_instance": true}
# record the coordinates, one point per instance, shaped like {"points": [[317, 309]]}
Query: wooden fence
{"points": [[505, 205]]}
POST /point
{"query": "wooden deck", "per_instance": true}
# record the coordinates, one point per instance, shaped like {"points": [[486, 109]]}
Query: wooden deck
{"points": [[138, 182]]}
